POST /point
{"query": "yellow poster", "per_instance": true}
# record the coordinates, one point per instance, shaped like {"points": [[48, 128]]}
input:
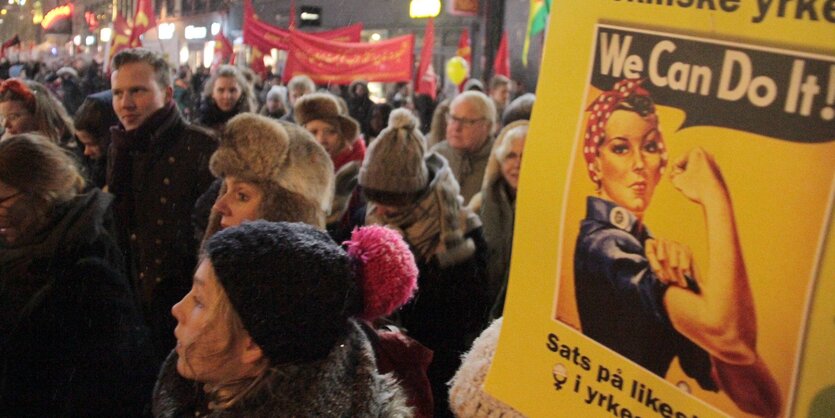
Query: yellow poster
{"points": [[673, 252]]}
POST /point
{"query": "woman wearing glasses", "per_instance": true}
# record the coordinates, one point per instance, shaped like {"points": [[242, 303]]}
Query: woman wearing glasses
{"points": [[27, 106], [72, 342]]}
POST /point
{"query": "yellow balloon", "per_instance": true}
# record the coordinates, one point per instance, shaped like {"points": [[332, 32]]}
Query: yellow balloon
{"points": [[457, 70]]}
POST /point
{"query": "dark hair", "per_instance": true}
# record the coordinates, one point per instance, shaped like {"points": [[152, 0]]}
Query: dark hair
{"points": [[640, 104], [96, 116], [141, 55]]}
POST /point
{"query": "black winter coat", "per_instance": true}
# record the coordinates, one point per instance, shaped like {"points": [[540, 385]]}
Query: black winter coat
{"points": [[157, 172], [72, 339]]}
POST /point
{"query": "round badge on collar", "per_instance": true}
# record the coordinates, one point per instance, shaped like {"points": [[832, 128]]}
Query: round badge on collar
{"points": [[619, 217]]}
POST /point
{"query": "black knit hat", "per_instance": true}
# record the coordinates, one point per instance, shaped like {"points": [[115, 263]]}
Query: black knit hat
{"points": [[291, 285]]}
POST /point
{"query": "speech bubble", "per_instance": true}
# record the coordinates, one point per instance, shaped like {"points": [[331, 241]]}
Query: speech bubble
{"points": [[786, 95]]}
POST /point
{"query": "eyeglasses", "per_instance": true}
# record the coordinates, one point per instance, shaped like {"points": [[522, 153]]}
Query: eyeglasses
{"points": [[462, 121]]}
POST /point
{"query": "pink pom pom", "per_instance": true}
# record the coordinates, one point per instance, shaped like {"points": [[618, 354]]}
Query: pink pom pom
{"points": [[387, 272]]}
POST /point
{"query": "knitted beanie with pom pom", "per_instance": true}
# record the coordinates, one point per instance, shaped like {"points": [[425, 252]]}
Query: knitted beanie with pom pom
{"points": [[394, 163], [295, 289]]}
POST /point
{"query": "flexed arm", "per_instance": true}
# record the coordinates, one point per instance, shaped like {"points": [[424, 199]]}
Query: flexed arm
{"points": [[721, 318]]}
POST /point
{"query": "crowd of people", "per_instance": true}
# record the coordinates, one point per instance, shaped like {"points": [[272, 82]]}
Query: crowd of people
{"points": [[176, 243]]}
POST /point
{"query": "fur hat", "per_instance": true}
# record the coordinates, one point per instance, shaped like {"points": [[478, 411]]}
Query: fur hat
{"points": [[261, 150], [394, 163], [295, 289], [467, 397], [324, 106]]}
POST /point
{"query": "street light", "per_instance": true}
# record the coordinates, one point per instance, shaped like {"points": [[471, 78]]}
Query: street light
{"points": [[424, 8]]}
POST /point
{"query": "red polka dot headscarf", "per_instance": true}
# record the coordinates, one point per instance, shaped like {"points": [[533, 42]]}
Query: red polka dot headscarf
{"points": [[602, 108]]}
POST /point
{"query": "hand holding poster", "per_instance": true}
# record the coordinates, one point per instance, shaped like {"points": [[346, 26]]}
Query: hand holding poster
{"points": [[687, 171]]}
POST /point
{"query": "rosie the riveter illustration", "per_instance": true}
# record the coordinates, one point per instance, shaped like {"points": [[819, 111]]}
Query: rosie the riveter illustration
{"points": [[642, 296]]}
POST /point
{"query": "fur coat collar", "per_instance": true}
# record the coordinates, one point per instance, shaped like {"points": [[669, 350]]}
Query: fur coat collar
{"points": [[344, 384]]}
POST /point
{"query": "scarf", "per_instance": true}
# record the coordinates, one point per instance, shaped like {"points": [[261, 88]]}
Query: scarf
{"points": [[213, 117], [436, 224]]}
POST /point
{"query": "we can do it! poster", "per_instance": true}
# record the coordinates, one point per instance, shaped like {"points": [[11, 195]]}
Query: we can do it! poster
{"points": [[673, 252]]}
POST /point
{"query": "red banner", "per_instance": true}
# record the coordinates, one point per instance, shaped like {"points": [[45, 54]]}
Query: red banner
{"points": [[501, 64], [266, 37], [341, 62], [427, 80]]}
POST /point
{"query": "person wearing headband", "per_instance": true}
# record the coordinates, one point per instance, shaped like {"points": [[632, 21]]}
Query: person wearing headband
{"points": [[28, 106], [641, 295]]}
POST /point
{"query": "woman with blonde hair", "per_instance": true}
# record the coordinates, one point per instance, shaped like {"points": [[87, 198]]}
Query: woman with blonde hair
{"points": [[269, 170], [226, 94], [497, 201]]}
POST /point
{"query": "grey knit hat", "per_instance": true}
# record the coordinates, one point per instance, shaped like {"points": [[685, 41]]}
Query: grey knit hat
{"points": [[261, 150], [394, 163]]}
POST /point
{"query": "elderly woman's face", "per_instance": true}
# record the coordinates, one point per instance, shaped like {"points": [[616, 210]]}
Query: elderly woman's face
{"points": [[226, 93], [241, 202], [628, 162], [512, 161], [326, 134], [16, 118]]}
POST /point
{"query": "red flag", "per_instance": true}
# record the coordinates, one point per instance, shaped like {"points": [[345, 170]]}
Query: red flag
{"points": [[427, 80], [223, 51], [143, 20], [292, 24], [257, 64], [464, 50], [501, 65], [121, 38]]}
